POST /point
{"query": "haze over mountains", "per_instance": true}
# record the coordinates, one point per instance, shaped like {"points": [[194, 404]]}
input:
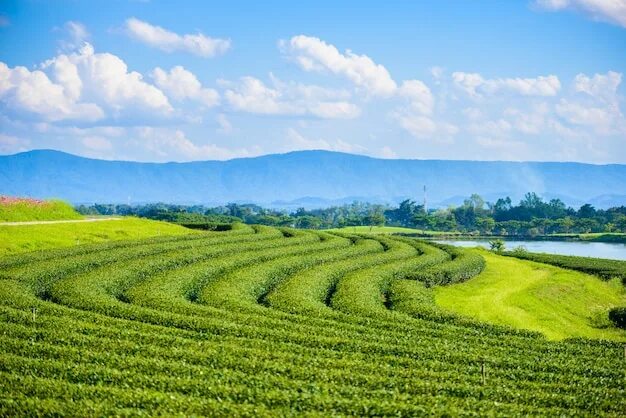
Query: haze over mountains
{"points": [[304, 178]]}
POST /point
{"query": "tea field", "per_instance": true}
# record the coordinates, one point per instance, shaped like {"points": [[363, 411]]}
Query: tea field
{"points": [[262, 321]]}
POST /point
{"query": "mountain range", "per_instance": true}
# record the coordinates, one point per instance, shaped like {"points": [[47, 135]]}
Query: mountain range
{"points": [[305, 178]]}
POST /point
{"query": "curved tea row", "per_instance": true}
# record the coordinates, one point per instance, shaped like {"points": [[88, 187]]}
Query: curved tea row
{"points": [[263, 321]]}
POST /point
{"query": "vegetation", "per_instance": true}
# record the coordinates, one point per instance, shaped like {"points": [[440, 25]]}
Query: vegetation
{"points": [[618, 317], [531, 217], [558, 303], [13, 209], [262, 321], [18, 239], [384, 230], [604, 268]]}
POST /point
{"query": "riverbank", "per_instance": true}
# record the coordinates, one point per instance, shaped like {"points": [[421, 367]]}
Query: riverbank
{"points": [[617, 238]]}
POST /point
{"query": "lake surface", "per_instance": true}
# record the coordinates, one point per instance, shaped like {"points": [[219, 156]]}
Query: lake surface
{"points": [[584, 249]]}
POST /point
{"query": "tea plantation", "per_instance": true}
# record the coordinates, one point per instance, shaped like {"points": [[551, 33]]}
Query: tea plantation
{"points": [[259, 321]]}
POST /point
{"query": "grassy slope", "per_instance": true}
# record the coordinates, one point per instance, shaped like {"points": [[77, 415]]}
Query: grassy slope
{"points": [[17, 239], [527, 295], [47, 211], [385, 230]]}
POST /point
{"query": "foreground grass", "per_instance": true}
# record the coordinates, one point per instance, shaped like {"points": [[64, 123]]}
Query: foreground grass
{"points": [[386, 230], [556, 302], [22, 238]]}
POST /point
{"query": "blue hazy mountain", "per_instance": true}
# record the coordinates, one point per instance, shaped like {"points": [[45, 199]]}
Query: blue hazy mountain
{"points": [[304, 178]]}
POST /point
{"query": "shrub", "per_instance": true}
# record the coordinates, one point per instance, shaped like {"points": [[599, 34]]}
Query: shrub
{"points": [[618, 317]]}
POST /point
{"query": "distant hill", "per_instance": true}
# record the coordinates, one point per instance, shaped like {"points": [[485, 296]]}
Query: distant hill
{"points": [[303, 178]]}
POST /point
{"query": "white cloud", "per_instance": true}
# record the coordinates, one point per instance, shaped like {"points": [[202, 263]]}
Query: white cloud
{"points": [[313, 54], [424, 127], [76, 34], [11, 144], [225, 126], [33, 92], [83, 86], [579, 114], [475, 85], [613, 11], [105, 79], [97, 143], [496, 128], [253, 96], [163, 144], [472, 113], [297, 141], [419, 94], [181, 84], [165, 40], [601, 86]]}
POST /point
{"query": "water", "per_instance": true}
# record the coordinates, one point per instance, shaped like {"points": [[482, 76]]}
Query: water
{"points": [[584, 249]]}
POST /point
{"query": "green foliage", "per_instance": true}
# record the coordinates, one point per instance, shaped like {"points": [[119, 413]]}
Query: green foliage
{"points": [[618, 317], [260, 321], [604, 268], [496, 245], [23, 210]]}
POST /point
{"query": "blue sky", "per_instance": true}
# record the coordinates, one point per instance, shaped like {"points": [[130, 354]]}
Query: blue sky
{"points": [[180, 81]]}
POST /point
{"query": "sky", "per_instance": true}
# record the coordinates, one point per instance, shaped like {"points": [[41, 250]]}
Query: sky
{"points": [[519, 80]]}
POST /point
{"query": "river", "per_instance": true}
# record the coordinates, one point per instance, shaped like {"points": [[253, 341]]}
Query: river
{"points": [[580, 248]]}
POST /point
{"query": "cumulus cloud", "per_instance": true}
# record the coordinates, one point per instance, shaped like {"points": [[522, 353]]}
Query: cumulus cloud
{"points": [[105, 78], [601, 86], [165, 40], [252, 95], [313, 54], [578, 114], [32, 92], [597, 104], [613, 11], [83, 85], [419, 95], [181, 84], [76, 35], [476, 86]]}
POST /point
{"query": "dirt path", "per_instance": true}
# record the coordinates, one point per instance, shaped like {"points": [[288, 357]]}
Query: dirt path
{"points": [[69, 221]]}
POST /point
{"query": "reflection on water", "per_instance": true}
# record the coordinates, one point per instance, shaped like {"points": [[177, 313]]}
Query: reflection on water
{"points": [[584, 249]]}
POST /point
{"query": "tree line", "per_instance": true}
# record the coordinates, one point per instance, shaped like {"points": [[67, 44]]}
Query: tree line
{"points": [[531, 216]]}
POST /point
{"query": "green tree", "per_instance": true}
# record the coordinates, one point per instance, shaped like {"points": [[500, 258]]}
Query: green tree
{"points": [[496, 245]]}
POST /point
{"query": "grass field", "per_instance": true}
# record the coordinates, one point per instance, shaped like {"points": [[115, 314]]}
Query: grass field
{"points": [[527, 295], [18, 239], [23, 209]]}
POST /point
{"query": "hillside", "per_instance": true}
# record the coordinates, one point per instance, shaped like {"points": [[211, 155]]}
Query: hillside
{"points": [[15, 209], [24, 238], [306, 178]]}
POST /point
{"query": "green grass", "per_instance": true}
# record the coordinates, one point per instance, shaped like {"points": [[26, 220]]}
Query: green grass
{"points": [[265, 322], [386, 230], [556, 302], [18, 239], [20, 210]]}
